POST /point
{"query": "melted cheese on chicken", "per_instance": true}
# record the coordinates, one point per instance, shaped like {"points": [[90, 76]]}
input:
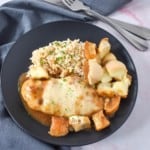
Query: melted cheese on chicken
{"points": [[62, 97]]}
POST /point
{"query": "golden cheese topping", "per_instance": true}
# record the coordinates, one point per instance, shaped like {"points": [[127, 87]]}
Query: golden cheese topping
{"points": [[63, 97]]}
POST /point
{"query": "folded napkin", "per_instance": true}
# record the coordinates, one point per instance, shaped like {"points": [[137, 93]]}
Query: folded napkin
{"points": [[105, 7], [16, 18]]}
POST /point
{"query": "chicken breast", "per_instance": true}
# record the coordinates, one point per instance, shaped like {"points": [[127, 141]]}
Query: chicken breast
{"points": [[61, 97]]}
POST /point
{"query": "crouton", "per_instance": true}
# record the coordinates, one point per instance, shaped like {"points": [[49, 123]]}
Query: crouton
{"points": [[59, 126], [89, 50], [108, 57], [95, 72], [111, 105], [121, 87], [105, 77], [100, 121], [86, 70], [38, 73], [79, 123], [116, 69], [104, 47], [105, 89]]}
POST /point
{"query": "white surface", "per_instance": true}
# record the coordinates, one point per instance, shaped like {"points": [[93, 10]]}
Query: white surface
{"points": [[3, 1], [134, 134]]}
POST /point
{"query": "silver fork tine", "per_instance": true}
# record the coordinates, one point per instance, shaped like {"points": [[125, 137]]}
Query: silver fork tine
{"points": [[67, 3], [70, 1], [73, 5]]}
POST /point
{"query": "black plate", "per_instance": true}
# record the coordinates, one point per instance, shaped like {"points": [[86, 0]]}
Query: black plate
{"points": [[17, 62]]}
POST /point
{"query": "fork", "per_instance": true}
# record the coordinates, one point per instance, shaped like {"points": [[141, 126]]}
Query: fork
{"points": [[137, 42], [142, 32]]}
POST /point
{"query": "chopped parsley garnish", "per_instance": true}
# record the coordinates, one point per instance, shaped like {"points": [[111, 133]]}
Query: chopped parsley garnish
{"points": [[51, 52], [66, 109], [42, 61], [64, 79], [58, 59], [57, 43], [53, 102]]}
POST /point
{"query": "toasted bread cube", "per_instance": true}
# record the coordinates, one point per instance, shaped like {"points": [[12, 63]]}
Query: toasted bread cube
{"points": [[105, 77], [79, 123], [98, 58], [95, 72], [37, 73], [59, 126], [108, 57], [105, 89], [86, 70], [121, 87], [89, 50], [111, 105], [104, 47], [100, 121], [116, 69]]}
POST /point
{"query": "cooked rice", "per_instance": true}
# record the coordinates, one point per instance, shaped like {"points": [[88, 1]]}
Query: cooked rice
{"points": [[60, 58]]}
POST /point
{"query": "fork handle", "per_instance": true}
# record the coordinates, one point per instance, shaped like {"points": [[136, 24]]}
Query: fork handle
{"points": [[136, 41], [137, 30]]}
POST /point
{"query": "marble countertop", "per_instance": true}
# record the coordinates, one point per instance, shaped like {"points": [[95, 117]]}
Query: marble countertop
{"points": [[134, 134]]}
